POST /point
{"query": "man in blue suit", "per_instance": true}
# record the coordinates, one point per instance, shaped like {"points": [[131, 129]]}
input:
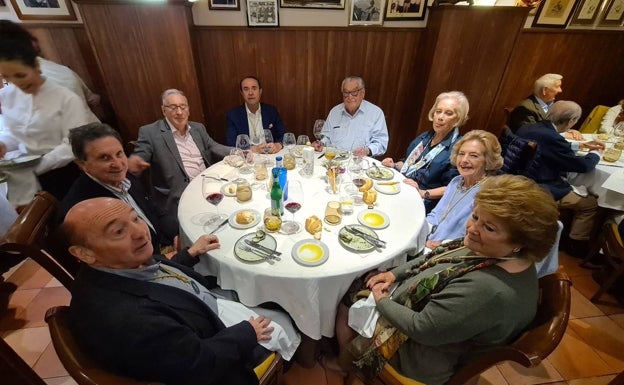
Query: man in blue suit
{"points": [[253, 117], [554, 158]]}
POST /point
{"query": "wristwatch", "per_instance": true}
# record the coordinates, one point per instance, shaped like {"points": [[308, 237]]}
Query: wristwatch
{"points": [[427, 194]]}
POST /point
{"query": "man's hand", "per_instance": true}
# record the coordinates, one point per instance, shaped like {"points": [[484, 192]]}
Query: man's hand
{"points": [[274, 148], [384, 280], [318, 145], [204, 244], [261, 327], [574, 135], [136, 164], [592, 145], [3, 150], [411, 182], [432, 244], [380, 291], [361, 151]]}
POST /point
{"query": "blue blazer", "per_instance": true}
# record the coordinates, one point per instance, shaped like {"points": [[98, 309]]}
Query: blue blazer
{"points": [[554, 158], [237, 123]]}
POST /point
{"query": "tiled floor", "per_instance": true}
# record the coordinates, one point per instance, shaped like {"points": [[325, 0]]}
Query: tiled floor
{"points": [[591, 353]]}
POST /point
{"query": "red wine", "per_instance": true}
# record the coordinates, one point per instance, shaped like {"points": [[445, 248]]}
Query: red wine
{"points": [[358, 182], [293, 207], [215, 198]]}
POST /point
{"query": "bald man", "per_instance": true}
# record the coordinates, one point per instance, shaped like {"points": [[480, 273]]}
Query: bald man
{"points": [[152, 319]]}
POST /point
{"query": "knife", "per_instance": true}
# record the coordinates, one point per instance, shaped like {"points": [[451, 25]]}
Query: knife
{"points": [[368, 238], [272, 253], [220, 226]]}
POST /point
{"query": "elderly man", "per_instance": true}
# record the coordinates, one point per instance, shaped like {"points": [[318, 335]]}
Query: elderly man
{"points": [[534, 108], [356, 124], [148, 318], [253, 117], [175, 150], [555, 156]]}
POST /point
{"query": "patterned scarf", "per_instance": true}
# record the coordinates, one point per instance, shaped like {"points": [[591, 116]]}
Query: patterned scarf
{"points": [[371, 354]]}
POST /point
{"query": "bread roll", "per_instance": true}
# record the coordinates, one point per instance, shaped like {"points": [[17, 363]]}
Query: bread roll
{"points": [[245, 217]]}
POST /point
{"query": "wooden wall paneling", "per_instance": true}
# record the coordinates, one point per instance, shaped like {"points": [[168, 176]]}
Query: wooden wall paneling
{"points": [[472, 49], [590, 62], [142, 49]]}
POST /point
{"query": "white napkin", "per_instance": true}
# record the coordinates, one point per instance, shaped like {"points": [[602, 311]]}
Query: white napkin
{"points": [[221, 170], [363, 316]]}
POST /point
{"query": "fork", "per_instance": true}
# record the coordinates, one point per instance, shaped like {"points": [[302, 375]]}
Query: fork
{"points": [[258, 253]]}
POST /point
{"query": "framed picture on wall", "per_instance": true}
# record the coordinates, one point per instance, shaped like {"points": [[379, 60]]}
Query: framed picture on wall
{"points": [[262, 13], [2, 3], [367, 12], [586, 12], [554, 13], [614, 13], [44, 9], [224, 5], [330, 4], [405, 10]]}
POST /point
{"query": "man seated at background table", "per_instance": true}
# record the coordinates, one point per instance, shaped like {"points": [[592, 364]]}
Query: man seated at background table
{"points": [[356, 124], [175, 150], [146, 317], [534, 108], [253, 117], [555, 157]]}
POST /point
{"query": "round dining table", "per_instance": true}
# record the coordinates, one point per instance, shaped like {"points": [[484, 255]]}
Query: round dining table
{"points": [[310, 294]]}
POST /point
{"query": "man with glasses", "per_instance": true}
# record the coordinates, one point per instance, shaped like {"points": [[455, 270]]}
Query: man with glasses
{"points": [[534, 108], [175, 150], [356, 124]]}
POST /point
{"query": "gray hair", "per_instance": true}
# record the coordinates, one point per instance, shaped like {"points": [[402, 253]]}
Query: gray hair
{"points": [[170, 91], [563, 111], [547, 80], [349, 79], [79, 137], [462, 105]]}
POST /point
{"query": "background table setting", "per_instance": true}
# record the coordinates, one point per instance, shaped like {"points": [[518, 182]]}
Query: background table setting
{"points": [[308, 277]]}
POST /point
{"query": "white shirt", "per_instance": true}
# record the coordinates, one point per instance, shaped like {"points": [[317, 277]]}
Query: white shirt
{"points": [[65, 77], [256, 131]]}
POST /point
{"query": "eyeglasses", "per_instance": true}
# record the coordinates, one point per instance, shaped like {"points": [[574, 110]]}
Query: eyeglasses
{"points": [[345, 94], [174, 107]]}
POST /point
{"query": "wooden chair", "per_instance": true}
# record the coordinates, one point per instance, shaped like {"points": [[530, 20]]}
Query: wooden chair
{"points": [[591, 124], [85, 371], [613, 249], [540, 338], [32, 235], [14, 370]]}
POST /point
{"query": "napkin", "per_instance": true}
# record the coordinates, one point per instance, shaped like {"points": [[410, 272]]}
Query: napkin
{"points": [[363, 316], [221, 170]]}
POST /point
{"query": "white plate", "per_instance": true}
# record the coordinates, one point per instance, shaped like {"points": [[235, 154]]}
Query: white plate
{"points": [[341, 155], [249, 256], [354, 242], [310, 252], [19, 162], [236, 225], [225, 189], [374, 219], [388, 189], [383, 173]]}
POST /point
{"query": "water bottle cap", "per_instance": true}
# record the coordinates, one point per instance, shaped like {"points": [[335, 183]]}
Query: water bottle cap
{"points": [[278, 158]]}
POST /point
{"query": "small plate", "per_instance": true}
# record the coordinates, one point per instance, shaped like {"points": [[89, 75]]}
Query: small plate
{"points": [[249, 256], [354, 242], [388, 189], [19, 162], [341, 155], [374, 219], [229, 189], [381, 174], [310, 252], [236, 225]]}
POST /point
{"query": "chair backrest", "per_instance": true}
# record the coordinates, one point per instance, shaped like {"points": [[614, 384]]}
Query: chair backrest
{"points": [[550, 264], [591, 124], [517, 152], [33, 232], [613, 249]]}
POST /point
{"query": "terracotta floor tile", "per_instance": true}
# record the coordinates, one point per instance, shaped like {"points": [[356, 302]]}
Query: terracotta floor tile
{"points": [[603, 380], [605, 337], [54, 283], [516, 374], [574, 358], [618, 319], [66, 380], [18, 302], [48, 297], [297, 375], [30, 276], [587, 286], [28, 343], [492, 376], [581, 307], [49, 364]]}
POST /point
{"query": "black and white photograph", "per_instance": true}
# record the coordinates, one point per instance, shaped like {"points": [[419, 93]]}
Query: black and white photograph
{"points": [[262, 13], [224, 5], [367, 12], [318, 4], [44, 9]]}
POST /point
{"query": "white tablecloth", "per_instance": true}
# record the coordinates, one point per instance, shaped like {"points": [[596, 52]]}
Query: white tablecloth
{"points": [[309, 294]]}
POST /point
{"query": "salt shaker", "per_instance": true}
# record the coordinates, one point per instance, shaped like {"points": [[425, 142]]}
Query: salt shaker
{"points": [[308, 161]]}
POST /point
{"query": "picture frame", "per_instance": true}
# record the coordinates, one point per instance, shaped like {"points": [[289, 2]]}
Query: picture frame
{"points": [[313, 4], [405, 10], [224, 5], [44, 10], [262, 13], [2, 3], [554, 13], [586, 12], [367, 12], [613, 14], [531, 4]]}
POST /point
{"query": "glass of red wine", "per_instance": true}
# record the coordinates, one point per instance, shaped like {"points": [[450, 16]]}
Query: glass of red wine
{"points": [[213, 195], [293, 204]]}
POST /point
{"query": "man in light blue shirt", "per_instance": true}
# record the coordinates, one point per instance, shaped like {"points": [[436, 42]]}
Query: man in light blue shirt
{"points": [[356, 124]]}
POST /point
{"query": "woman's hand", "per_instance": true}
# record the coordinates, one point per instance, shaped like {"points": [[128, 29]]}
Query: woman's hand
{"points": [[204, 244], [261, 327], [384, 280], [432, 244], [388, 162], [411, 182]]}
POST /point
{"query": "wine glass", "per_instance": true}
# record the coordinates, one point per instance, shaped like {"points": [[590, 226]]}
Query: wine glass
{"points": [[293, 204], [212, 194], [318, 129], [330, 151], [243, 143], [289, 141], [268, 139], [303, 140]]}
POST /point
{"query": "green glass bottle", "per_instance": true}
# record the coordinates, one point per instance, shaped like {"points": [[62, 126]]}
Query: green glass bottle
{"points": [[277, 202]]}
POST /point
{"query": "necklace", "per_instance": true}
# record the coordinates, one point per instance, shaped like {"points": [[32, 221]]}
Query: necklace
{"points": [[179, 277], [451, 205]]}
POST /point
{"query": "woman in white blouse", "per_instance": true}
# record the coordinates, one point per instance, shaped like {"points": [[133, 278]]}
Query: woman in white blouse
{"points": [[38, 114], [613, 116]]}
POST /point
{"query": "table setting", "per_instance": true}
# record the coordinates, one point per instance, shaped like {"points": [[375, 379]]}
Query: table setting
{"points": [[328, 236]]}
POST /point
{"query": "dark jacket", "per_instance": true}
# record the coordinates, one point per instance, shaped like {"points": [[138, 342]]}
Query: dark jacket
{"points": [[237, 123], [527, 112]]}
